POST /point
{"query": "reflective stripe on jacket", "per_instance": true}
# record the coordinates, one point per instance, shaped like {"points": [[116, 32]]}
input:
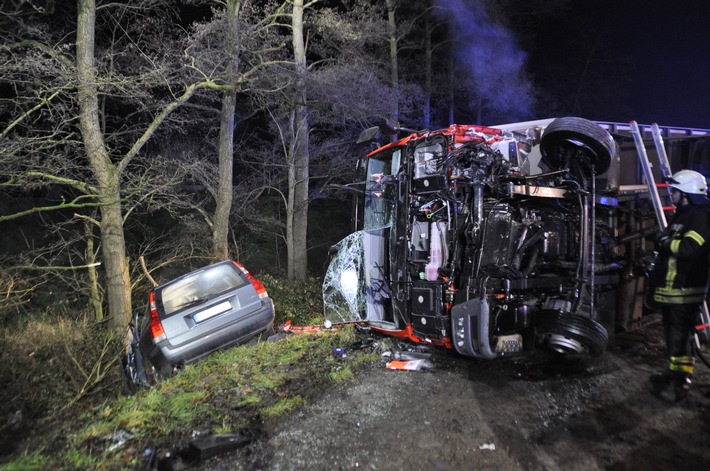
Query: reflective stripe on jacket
{"points": [[683, 273]]}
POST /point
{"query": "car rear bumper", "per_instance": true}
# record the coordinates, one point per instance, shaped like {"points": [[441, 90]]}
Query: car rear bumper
{"points": [[164, 355]]}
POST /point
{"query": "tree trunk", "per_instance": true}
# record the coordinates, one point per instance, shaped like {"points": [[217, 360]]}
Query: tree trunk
{"points": [[452, 87], [394, 73], [223, 203], [427, 71], [297, 211], [223, 206], [118, 283], [95, 303]]}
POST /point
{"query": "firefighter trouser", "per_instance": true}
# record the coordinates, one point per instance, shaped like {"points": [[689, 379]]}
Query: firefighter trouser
{"points": [[679, 322]]}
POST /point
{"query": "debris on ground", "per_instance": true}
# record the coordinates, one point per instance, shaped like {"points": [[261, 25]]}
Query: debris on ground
{"points": [[213, 445], [289, 328], [405, 365], [118, 439]]}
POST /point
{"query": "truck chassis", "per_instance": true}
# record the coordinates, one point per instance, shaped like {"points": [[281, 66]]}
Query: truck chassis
{"points": [[494, 241]]}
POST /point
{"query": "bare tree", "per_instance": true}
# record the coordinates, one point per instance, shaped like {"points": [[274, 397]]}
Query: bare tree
{"points": [[223, 194], [84, 127], [298, 154], [394, 63], [239, 43]]}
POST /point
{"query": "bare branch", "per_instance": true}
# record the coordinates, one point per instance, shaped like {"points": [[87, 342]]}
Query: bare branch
{"points": [[146, 272]]}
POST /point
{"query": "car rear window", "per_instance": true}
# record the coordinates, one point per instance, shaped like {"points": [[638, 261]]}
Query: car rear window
{"points": [[200, 287]]}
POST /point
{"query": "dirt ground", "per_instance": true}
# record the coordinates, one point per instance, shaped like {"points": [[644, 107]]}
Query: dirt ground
{"points": [[532, 413]]}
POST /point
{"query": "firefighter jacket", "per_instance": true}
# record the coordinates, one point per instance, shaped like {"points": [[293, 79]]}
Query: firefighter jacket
{"points": [[681, 275]]}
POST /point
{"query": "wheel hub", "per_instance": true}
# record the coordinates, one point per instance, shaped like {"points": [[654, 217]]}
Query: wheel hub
{"points": [[562, 344]]}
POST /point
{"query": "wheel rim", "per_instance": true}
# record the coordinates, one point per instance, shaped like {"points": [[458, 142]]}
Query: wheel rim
{"points": [[570, 334], [565, 345]]}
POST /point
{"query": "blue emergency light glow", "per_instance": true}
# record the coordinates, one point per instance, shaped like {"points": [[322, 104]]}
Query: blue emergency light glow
{"points": [[608, 201]]}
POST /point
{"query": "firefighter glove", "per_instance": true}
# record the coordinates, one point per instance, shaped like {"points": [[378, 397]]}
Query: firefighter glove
{"points": [[663, 242]]}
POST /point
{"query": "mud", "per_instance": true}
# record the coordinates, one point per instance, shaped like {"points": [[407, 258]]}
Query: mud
{"points": [[532, 413]]}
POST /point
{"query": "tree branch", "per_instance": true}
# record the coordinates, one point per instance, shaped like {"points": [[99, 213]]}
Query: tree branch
{"points": [[146, 272], [153, 126]]}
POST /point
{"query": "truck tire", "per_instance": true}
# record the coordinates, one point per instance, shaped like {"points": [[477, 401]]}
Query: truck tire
{"points": [[567, 333], [565, 134]]}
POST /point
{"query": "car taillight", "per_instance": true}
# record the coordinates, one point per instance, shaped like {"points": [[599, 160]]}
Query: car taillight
{"points": [[258, 285], [156, 327]]}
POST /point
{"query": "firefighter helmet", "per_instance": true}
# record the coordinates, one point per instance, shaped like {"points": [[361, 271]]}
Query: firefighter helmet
{"points": [[689, 182]]}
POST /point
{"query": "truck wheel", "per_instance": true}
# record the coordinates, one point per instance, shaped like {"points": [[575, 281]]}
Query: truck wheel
{"points": [[570, 334], [572, 134]]}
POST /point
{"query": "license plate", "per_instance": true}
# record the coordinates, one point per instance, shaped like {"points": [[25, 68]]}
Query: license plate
{"points": [[211, 312]]}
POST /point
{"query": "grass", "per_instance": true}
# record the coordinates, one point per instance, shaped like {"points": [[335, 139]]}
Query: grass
{"points": [[227, 392], [341, 375], [283, 406], [234, 390]]}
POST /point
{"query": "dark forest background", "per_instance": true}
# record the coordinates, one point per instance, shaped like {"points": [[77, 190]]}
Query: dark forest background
{"points": [[139, 139]]}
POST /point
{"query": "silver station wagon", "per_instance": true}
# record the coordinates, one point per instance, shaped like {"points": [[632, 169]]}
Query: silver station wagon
{"points": [[217, 306]]}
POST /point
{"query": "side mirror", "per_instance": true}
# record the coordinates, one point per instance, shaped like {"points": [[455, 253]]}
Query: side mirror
{"points": [[369, 135]]}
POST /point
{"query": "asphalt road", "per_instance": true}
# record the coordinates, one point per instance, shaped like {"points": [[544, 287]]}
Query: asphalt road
{"points": [[533, 413]]}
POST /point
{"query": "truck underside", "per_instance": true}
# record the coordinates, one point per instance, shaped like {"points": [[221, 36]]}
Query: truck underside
{"points": [[494, 241]]}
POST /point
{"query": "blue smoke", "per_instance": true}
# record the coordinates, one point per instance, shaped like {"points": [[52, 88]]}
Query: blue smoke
{"points": [[493, 66]]}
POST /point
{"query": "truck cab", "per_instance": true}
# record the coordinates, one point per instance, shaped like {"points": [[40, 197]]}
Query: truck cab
{"points": [[495, 241]]}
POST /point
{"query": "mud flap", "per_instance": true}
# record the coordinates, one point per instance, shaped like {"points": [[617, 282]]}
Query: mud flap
{"points": [[470, 327]]}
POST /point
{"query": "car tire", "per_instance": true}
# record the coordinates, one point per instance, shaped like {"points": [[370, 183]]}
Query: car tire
{"points": [[571, 133], [570, 334], [128, 386]]}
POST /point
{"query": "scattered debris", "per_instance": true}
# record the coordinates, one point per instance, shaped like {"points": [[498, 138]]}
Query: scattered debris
{"points": [[402, 365], [408, 360], [362, 344], [276, 337], [118, 439], [289, 328], [340, 353], [411, 355], [363, 329], [15, 418], [213, 445], [149, 454]]}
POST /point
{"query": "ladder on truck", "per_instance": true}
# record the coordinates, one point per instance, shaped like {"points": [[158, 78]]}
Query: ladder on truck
{"points": [[658, 207]]}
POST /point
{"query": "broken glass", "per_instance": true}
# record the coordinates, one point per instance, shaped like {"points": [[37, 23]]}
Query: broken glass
{"points": [[354, 288]]}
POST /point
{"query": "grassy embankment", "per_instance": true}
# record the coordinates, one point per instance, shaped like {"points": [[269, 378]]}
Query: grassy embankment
{"points": [[63, 378]]}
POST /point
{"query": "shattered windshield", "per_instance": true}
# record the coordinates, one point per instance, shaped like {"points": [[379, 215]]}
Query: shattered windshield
{"points": [[355, 287]]}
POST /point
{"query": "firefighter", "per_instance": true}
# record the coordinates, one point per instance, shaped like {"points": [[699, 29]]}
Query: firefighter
{"points": [[681, 279]]}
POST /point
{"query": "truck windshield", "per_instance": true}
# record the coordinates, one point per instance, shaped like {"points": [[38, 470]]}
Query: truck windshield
{"points": [[380, 189]]}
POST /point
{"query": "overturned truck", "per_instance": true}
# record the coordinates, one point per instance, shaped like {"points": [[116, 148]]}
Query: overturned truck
{"points": [[495, 241]]}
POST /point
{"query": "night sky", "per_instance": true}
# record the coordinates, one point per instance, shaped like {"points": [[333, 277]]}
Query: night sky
{"points": [[661, 48]]}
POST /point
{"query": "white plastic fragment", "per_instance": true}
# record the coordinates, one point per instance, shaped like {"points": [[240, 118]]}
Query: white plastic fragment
{"points": [[487, 446], [407, 365], [118, 438]]}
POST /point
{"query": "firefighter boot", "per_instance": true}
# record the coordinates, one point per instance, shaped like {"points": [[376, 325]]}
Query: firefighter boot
{"points": [[673, 385], [660, 380], [676, 389]]}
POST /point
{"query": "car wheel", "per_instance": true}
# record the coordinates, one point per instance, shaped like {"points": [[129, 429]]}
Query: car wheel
{"points": [[570, 334], [158, 373], [565, 136], [128, 386]]}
